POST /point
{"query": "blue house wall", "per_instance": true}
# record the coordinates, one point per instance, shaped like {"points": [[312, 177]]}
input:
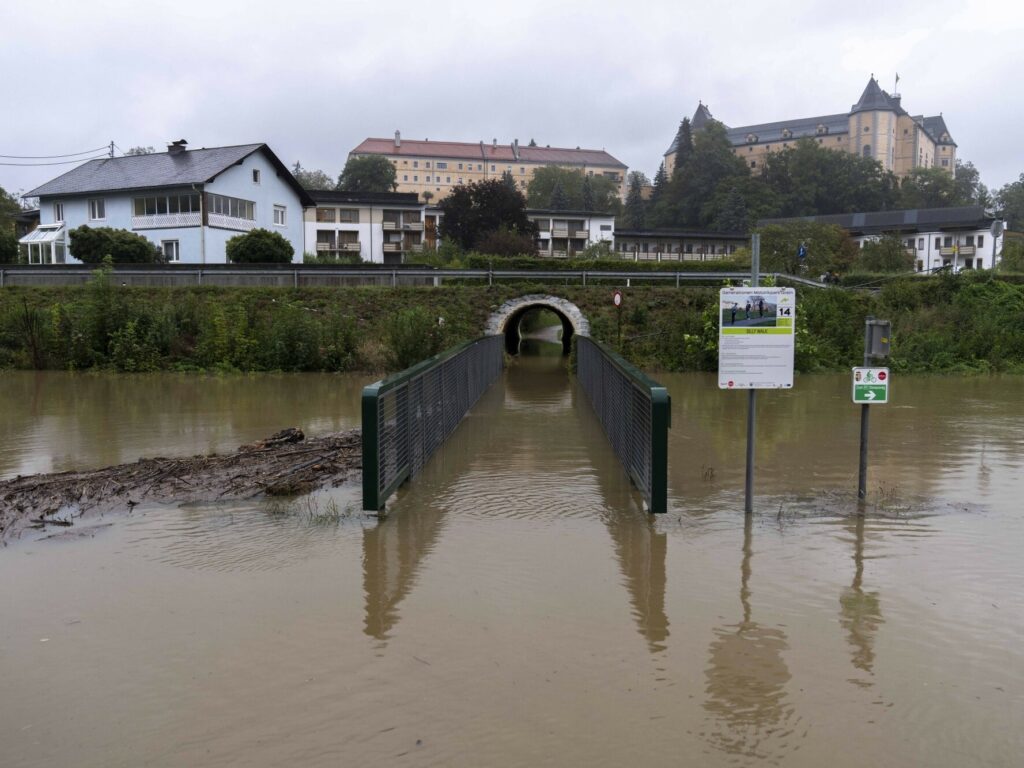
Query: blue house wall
{"points": [[196, 244]]}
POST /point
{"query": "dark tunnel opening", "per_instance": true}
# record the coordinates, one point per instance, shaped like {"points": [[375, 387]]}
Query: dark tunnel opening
{"points": [[537, 317]]}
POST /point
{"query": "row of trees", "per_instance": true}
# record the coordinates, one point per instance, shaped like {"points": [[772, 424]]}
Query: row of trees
{"points": [[713, 188], [369, 173]]}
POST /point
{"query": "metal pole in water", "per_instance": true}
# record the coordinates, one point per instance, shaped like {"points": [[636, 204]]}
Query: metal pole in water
{"points": [[862, 475], [748, 488]]}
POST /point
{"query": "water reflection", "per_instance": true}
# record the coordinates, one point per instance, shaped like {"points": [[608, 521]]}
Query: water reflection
{"points": [[746, 682], [860, 612], [480, 472]]}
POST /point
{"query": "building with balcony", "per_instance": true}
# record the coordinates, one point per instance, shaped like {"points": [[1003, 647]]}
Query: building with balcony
{"points": [[953, 238], [187, 202], [877, 126], [563, 234], [677, 244], [431, 168], [376, 227]]}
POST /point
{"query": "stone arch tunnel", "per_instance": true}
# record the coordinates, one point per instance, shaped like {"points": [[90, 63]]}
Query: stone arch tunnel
{"points": [[505, 320]]}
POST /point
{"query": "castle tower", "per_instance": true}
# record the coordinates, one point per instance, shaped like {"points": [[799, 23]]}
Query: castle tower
{"points": [[873, 125]]}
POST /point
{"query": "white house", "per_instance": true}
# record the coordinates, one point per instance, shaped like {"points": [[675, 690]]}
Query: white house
{"points": [[560, 234], [677, 244], [959, 238], [378, 227], [188, 202]]}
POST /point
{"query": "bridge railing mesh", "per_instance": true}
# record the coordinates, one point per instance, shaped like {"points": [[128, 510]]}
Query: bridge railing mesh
{"points": [[409, 415], [635, 413]]}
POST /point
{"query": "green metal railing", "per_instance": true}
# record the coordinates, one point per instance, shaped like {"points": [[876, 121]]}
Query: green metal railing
{"points": [[635, 412], [409, 415]]}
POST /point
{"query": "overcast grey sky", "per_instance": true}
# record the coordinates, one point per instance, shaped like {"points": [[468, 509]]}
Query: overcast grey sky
{"points": [[312, 79]]}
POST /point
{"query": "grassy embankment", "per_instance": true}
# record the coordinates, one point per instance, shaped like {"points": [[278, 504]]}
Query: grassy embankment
{"points": [[969, 323]]}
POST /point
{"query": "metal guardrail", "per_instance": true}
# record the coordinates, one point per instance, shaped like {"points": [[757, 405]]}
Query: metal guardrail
{"points": [[285, 276], [635, 412], [409, 415]]}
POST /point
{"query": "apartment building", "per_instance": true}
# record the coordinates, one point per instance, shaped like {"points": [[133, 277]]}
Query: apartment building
{"points": [[954, 238], [877, 127], [431, 168], [376, 227], [677, 244], [563, 234]]}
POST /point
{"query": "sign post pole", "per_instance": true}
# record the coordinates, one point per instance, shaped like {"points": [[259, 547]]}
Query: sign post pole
{"points": [[862, 475], [748, 486]]}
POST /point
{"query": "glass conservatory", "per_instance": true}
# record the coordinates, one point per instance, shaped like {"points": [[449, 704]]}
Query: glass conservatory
{"points": [[44, 245]]}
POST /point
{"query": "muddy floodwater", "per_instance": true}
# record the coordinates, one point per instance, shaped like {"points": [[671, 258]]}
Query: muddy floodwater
{"points": [[516, 606]]}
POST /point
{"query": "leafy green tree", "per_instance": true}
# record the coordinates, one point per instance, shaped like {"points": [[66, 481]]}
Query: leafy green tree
{"points": [[733, 215], [472, 211], [311, 179], [1010, 203], [660, 180], [588, 194], [559, 200], [809, 180], [91, 244], [684, 146], [9, 207], [542, 186], [967, 186], [368, 173], [532, 143], [259, 246], [635, 213], [508, 179], [8, 246], [887, 254], [829, 248], [1013, 256], [133, 151], [504, 242], [928, 188]]}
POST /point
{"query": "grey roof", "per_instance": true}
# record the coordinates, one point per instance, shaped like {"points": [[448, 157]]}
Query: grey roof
{"points": [[801, 127], [701, 117], [160, 169], [936, 127], [329, 196], [875, 98], [912, 220], [680, 233]]}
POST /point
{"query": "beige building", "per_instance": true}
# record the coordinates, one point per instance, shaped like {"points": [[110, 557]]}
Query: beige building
{"points": [[432, 168], [877, 126]]}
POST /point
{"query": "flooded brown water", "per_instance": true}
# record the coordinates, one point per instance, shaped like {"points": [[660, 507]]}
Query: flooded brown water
{"points": [[516, 606]]}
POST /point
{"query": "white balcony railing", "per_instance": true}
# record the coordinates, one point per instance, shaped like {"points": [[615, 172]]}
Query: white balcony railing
{"points": [[349, 247], [390, 225], [581, 233], [415, 226], [167, 220], [231, 222], [392, 247], [559, 232]]}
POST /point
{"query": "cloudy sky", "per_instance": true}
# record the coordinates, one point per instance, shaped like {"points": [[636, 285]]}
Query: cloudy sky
{"points": [[312, 79]]}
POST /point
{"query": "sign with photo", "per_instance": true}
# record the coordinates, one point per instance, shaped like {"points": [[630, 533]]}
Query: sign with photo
{"points": [[756, 332]]}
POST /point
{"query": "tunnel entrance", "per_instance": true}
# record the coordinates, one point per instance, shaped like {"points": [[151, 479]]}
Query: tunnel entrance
{"points": [[508, 319], [537, 323]]}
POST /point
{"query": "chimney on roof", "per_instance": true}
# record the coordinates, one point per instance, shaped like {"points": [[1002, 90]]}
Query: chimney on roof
{"points": [[398, 139], [494, 143], [177, 147], [515, 148]]}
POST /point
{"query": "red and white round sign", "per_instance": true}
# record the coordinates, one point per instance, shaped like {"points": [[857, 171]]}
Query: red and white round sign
{"points": [[617, 298]]}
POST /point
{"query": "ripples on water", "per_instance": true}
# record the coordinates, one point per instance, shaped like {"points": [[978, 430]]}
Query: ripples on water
{"points": [[516, 606]]}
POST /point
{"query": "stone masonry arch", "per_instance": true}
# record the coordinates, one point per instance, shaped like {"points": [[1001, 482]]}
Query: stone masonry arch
{"points": [[505, 320]]}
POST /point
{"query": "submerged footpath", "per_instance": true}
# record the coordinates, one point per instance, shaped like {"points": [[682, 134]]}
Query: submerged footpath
{"points": [[284, 464]]}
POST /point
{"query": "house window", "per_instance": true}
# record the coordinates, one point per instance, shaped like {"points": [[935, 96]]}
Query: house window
{"points": [[255, 175], [970, 240], [348, 215], [460, 179], [427, 164], [938, 242], [97, 210], [58, 211], [945, 162], [233, 207], [460, 166], [415, 163], [405, 177], [866, 151], [447, 179], [606, 227], [522, 170], [442, 166], [171, 250], [480, 166], [492, 169], [415, 178], [981, 241], [947, 242], [920, 243], [753, 163], [159, 206], [325, 215], [280, 215]]}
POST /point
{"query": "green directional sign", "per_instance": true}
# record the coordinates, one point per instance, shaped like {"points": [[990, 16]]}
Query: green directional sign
{"points": [[871, 386]]}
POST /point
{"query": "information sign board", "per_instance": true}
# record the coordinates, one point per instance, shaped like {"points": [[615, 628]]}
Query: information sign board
{"points": [[871, 386], [756, 331]]}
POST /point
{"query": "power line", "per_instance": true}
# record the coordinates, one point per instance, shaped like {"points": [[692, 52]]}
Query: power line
{"points": [[53, 157], [62, 162]]}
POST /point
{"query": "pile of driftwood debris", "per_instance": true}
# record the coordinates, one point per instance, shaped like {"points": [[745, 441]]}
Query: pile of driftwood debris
{"points": [[284, 464]]}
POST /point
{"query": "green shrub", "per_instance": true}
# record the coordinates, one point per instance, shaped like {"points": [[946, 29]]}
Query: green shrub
{"points": [[8, 246], [91, 245], [412, 335], [259, 246]]}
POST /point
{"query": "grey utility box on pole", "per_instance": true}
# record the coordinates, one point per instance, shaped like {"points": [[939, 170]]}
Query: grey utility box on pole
{"points": [[878, 334]]}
